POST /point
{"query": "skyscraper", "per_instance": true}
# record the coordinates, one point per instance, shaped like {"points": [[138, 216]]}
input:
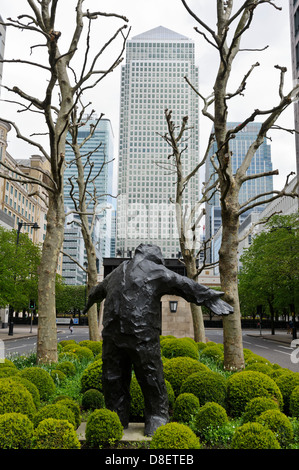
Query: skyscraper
{"points": [[152, 80], [97, 154], [261, 162]]}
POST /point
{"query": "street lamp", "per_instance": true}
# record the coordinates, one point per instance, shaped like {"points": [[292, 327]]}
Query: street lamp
{"points": [[35, 226]]}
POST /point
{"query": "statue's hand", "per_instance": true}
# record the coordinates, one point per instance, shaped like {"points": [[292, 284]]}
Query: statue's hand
{"points": [[218, 306]]}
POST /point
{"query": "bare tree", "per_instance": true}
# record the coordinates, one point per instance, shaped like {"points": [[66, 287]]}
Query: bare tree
{"points": [[86, 202], [188, 217], [231, 25], [60, 98]]}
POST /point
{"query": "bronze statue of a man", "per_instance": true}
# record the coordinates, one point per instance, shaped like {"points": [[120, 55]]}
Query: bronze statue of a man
{"points": [[131, 330]]}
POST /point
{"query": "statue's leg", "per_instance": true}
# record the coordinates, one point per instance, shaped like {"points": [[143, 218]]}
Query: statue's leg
{"points": [[149, 372], [116, 378]]}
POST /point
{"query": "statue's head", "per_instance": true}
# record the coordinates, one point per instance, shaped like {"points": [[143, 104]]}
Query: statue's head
{"points": [[150, 252]]}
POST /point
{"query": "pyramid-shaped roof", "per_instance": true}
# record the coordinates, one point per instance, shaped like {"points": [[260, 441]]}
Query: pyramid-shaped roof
{"points": [[160, 33]]}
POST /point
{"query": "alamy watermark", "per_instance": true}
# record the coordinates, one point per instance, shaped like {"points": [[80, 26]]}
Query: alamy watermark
{"points": [[295, 353]]}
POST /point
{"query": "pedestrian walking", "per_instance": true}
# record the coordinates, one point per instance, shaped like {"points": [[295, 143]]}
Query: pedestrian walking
{"points": [[71, 328]]}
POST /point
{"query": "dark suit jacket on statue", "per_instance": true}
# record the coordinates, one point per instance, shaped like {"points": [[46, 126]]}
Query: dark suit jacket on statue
{"points": [[131, 321]]}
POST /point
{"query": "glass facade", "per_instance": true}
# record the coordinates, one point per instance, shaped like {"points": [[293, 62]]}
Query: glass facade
{"points": [[153, 80]]}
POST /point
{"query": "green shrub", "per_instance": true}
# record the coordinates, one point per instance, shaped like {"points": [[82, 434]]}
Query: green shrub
{"points": [[186, 405], [93, 399], [170, 393], [256, 406], [174, 436], [245, 385], [92, 377], [260, 367], [68, 356], [201, 346], [16, 431], [55, 434], [176, 370], [178, 347], [95, 346], [137, 400], [254, 436], [58, 376], [73, 406], [294, 402], [8, 372], [67, 342], [7, 363], [15, 396], [56, 411], [287, 382], [213, 353], [206, 386], [208, 416], [30, 387], [256, 358], [103, 427], [279, 424], [41, 379], [67, 367], [80, 351]]}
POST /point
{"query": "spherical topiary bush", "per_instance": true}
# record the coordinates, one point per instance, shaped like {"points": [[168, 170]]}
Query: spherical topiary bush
{"points": [[15, 396], [58, 376], [73, 406], [178, 347], [209, 415], [137, 400], [93, 399], [260, 367], [103, 427], [279, 424], [92, 377], [170, 394], [41, 379], [256, 406], [56, 411], [174, 436], [294, 402], [201, 346], [66, 342], [213, 353], [254, 436], [54, 433], [206, 386], [30, 387], [176, 370], [245, 385], [81, 352], [67, 367], [16, 431], [287, 382], [7, 363], [8, 372], [95, 346], [186, 405], [256, 358]]}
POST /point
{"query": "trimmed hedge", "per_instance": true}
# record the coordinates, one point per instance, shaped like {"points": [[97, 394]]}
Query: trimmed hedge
{"points": [[16, 431], [93, 399], [209, 415], [186, 405], [176, 370], [56, 411], [245, 385], [287, 382], [179, 347], [92, 377], [174, 436], [103, 427], [41, 379], [206, 386], [279, 424], [55, 434], [254, 436], [294, 402], [257, 406], [15, 396]]}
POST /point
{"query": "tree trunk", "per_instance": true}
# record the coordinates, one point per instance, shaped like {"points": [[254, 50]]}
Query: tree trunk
{"points": [[47, 330], [196, 310]]}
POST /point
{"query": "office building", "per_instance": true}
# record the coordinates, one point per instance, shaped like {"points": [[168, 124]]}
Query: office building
{"points": [[152, 80], [294, 28], [2, 47], [260, 163], [97, 155]]}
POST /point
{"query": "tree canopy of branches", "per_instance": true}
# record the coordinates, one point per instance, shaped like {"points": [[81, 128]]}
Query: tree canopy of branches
{"points": [[270, 273], [63, 88], [18, 269], [232, 23]]}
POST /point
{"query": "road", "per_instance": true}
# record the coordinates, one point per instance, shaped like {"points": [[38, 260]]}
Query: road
{"points": [[274, 351]]}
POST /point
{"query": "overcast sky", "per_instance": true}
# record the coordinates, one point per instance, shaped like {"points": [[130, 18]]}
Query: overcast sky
{"points": [[270, 28]]}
